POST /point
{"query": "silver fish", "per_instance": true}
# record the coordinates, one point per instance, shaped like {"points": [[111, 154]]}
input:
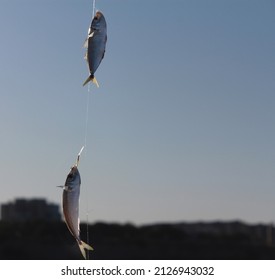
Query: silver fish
{"points": [[95, 44], [70, 201]]}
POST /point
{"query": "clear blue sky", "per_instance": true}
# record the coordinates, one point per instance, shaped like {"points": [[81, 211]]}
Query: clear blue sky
{"points": [[182, 127]]}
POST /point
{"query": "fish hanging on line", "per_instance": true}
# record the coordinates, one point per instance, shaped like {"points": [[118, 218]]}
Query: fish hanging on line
{"points": [[95, 44], [70, 204]]}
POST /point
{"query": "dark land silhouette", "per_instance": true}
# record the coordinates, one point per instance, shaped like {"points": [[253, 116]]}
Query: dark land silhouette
{"points": [[40, 240]]}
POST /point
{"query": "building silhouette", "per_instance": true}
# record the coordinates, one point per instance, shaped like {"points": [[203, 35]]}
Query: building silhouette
{"points": [[23, 210]]}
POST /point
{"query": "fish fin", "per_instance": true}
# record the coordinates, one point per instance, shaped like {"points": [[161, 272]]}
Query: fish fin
{"points": [[85, 45], [91, 34], [91, 78], [65, 188], [87, 81], [82, 246], [95, 81]]}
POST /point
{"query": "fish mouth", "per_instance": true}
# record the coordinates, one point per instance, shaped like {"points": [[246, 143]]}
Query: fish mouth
{"points": [[98, 15], [73, 169], [72, 172]]}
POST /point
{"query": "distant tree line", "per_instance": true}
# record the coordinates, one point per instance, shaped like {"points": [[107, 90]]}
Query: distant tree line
{"points": [[52, 240]]}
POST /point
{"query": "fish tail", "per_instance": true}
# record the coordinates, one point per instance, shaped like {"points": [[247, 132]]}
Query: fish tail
{"points": [[82, 246], [91, 78]]}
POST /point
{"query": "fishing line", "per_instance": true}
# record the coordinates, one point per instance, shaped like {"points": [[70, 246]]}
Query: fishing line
{"points": [[94, 8], [87, 237], [88, 95], [85, 144], [87, 118]]}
